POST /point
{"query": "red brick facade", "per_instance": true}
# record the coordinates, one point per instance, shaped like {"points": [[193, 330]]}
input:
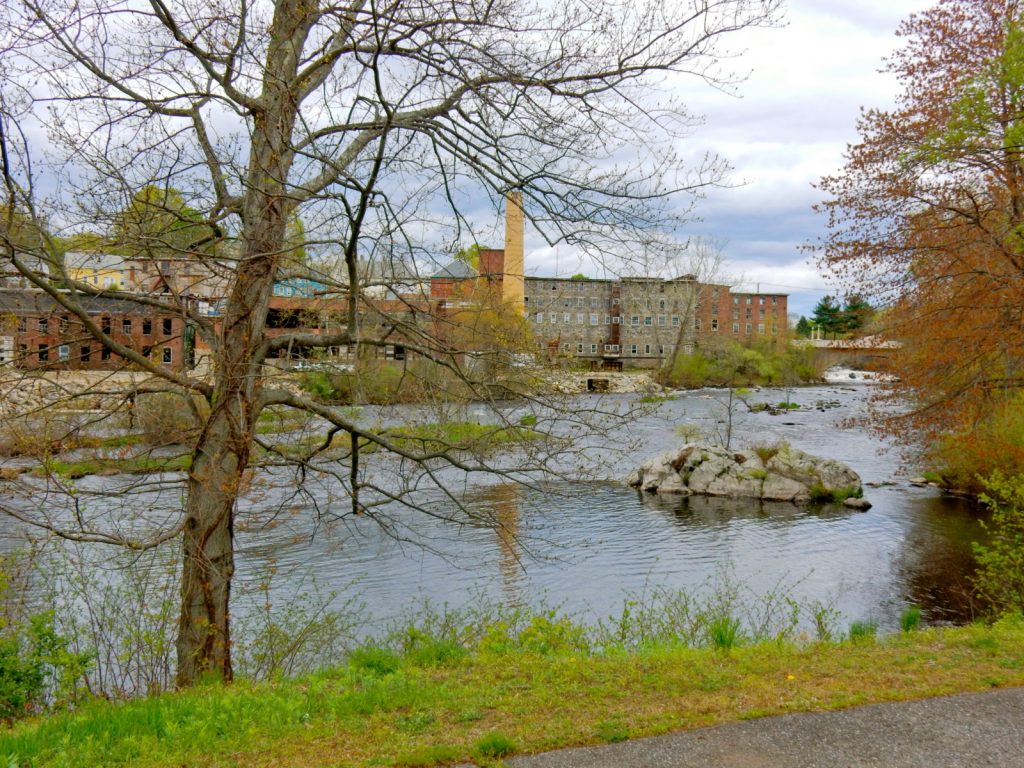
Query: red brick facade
{"points": [[37, 333]]}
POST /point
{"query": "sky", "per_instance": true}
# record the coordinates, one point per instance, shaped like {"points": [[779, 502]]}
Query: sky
{"points": [[787, 127]]}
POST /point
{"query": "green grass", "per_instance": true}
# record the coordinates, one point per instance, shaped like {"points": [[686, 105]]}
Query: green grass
{"points": [[388, 709], [134, 465]]}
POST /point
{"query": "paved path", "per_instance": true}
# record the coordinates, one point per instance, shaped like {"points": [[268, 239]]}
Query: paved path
{"points": [[965, 731]]}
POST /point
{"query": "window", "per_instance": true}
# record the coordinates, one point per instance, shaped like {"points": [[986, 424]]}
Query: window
{"points": [[540, 318], [696, 324], [607, 319], [579, 301], [594, 318], [735, 299], [22, 325], [104, 354], [593, 302], [634, 320], [553, 318], [775, 300], [105, 325], [147, 327], [661, 320], [675, 321], [750, 328], [714, 309], [615, 302], [714, 324], [661, 304], [581, 319], [632, 349], [761, 311], [64, 353], [566, 347], [750, 299], [750, 313], [647, 349], [526, 299], [554, 286], [616, 320], [648, 320], [579, 349], [44, 351], [661, 350], [566, 302], [593, 349], [168, 354], [43, 324], [126, 326], [762, 300], [566, 318], [84, 354], [63, 324], [611, 347], [760, 327], [735, 327]]}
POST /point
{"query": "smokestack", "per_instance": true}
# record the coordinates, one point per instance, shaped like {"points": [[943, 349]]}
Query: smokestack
{"points": [[513, 288]]}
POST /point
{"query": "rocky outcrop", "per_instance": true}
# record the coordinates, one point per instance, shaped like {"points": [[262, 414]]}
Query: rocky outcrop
{"points": [[779, 473]]}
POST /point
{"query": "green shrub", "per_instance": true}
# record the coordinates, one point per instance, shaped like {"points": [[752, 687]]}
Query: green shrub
{"points": [[910, 619], [375, 660], [724, 632], [863, 631], [999, 579]]}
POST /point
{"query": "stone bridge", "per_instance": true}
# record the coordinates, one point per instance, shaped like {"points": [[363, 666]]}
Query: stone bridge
{"points": [[870, 353]]}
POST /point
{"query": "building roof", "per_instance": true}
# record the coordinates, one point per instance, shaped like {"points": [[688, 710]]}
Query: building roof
{"points": [[15, 301], [455, 270], [88, 260]]}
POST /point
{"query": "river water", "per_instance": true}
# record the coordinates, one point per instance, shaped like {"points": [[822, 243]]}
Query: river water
{"points": [[588, 546]]}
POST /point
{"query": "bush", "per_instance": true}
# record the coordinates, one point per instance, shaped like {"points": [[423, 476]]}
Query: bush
{"points": [[169, 417], [999, 580], [863, 631], [910, 619]]}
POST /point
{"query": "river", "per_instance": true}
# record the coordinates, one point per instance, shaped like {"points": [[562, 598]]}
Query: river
{"points": [[586, 547]]}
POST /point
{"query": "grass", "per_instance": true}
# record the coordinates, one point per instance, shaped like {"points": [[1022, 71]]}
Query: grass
{"points": [[383, 711], [132, 465]]}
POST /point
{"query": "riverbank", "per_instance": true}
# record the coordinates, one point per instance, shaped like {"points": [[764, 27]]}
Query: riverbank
{"points": [[439, 703]]}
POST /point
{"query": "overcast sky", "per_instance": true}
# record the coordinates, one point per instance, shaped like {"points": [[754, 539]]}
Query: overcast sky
{"points": [[789, 126]]}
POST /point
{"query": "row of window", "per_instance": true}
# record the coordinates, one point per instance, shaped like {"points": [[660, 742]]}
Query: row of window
{"points": [[595, 302], [43, 325], [750, 299], [85, 353], [632, 349], [595, 319]]}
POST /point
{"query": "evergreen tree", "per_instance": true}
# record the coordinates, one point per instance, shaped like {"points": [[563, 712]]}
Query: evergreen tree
{"points": [[803, 328], [828, 316]]}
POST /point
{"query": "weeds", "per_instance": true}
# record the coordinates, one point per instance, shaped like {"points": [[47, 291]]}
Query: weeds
{"points": [[863, 631], [910, 619]]}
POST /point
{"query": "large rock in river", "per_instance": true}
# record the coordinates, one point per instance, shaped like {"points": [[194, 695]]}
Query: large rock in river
{"points": [[777, 473]]}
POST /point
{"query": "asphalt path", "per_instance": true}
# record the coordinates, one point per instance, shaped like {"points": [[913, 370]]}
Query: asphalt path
{"points": [[963, 731]]}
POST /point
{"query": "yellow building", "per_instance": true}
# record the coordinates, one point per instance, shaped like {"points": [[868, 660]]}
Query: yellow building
{"points": [[100, 270]]}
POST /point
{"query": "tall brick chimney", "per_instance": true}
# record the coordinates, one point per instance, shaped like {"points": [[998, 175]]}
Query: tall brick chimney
{"points": [[513, 288]]}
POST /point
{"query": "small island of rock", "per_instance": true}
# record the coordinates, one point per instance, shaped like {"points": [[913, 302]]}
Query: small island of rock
{"points": [[775, 473]]}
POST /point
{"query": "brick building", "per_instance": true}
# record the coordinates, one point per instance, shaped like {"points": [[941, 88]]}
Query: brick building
{"points": [[722, 316], [37, 333]]}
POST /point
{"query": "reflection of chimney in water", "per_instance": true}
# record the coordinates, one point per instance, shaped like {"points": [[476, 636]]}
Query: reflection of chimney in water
{"points": [[513, 287]]}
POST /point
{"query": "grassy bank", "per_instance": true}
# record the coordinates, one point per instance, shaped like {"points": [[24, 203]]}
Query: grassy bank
{"points": [[439, 703]]}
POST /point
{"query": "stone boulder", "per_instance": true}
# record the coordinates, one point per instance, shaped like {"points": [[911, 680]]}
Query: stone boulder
{"points": [[778, 473]]}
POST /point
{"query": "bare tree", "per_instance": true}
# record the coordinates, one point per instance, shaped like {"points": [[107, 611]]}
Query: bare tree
{"points": [[376, 121]]}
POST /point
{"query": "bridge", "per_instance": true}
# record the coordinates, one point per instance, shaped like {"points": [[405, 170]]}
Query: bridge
{"points": [[867, 352]]}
